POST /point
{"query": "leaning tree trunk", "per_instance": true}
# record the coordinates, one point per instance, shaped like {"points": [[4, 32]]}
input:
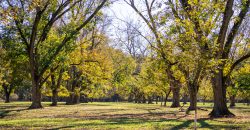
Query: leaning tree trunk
{"points": [[176, 95], [220, 108]]}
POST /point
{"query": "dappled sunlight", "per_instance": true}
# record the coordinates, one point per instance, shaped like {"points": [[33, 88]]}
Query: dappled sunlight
{"points": [[113, 115]]}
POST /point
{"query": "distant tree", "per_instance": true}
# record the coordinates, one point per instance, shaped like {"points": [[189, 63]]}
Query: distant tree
{"points": [[163, 45]]}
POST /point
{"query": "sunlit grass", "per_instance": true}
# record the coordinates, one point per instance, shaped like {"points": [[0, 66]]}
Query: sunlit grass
{"points": [[116, 116]]}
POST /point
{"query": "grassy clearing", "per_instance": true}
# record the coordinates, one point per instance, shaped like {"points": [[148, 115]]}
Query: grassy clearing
{"points": [[115, 116]]}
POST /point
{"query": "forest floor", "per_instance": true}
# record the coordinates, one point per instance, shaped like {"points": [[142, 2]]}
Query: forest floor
{"points": [[128, 116]]}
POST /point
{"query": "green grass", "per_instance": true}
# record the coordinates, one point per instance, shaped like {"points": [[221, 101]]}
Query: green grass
{"points": [[115, 116]]}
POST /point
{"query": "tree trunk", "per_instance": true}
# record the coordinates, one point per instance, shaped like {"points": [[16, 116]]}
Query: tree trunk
{"points": [[54, 97], [176, 96], [185, 96], [54, 89], [161, 99], [193, 96], [156, 100], [36, 96], [165, 101], [55, 86], [144, 99], [130, 98], [36, 90], [150, 100], [166, 98], [220, 108], [6, 92], [7, 97], [232, 101], [73, 99], [193, 101]]}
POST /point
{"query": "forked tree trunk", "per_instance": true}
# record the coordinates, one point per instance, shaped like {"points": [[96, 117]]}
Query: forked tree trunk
{"points": [[166, 97], [176, 96], [220, 108]]}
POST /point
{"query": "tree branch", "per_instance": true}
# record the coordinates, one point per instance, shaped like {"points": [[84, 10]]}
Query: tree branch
{"points": [[225, 23], [68, 38], [237, 62], [234, 30]]}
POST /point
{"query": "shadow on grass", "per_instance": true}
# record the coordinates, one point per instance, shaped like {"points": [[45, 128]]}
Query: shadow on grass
{"points": [[4, 113], [109, 122], [171, 124], [94, 104]]}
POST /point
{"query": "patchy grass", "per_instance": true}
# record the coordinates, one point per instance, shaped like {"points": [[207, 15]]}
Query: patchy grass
{"points": [[116, 116]]}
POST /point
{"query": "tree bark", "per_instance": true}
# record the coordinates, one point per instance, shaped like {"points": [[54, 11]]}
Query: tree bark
{"points": [[193, 96], [220, 108], [36, 96], [54, 97], [36, 87], [176, 95]]}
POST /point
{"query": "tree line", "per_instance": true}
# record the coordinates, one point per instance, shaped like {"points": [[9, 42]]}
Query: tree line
{"points": [[187, 50]]}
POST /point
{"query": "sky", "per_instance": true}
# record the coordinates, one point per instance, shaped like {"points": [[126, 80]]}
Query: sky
{"points": [[120, 13]]}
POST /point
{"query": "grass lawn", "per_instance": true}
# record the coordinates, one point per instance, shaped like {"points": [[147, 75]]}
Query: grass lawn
{"points": [[115, 116]]}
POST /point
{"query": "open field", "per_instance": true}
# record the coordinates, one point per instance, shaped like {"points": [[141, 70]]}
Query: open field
{"points": [[115, 116]]}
